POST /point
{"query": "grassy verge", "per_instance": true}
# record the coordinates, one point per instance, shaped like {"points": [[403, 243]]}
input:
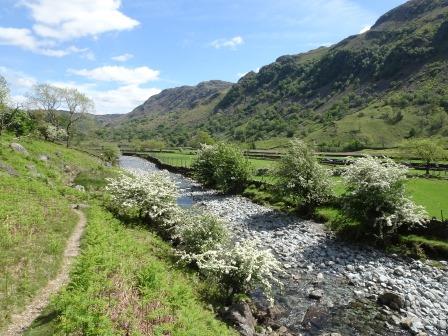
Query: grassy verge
{"points": [[35, 217], [126, 282]]}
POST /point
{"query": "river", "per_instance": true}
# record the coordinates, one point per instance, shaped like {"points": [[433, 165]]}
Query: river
{"points": [[347, 278]]}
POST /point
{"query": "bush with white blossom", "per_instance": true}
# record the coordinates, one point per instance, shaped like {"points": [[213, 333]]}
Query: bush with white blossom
{"points": [[53, 133], [301, 177], [144, 195], [376, 196], [203, 239], [199, 233], [242, 268]]}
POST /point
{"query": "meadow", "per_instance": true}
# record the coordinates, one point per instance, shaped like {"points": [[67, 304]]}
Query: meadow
{"points": [[432, 193]]}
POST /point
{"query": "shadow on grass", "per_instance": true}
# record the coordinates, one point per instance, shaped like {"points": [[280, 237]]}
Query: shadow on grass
{"points": [[44, 325]]}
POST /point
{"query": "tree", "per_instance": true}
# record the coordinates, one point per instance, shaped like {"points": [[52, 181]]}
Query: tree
{"points": [[111, 153], [47, 98], [4, 99], [301, 177], [77, 104], [202, 138], [222, 166], [425, 149]]}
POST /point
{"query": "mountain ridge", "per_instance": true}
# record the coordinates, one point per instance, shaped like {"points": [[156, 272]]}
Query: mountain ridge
{"points": [[370, 89]]}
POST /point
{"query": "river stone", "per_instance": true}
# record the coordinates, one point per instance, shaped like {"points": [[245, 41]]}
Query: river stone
{"points": [[19, 148], [392, 300], [240, 315], [7, 168], [316, 294]]}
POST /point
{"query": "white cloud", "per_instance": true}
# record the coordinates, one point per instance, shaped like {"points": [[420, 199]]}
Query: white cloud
{"points": [[65, 20], [365, 29], [121, 100], [241, 74], [123, 58], [119, 74], [231, 43], [24, 38], [18, 82], [56, 21]]}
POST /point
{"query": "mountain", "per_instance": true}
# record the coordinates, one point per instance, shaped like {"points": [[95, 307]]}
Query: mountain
{"points": [[374, 89], [170, 115]]}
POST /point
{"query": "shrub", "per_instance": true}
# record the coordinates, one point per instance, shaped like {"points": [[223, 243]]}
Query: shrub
{"points": [[376, 196], [144, 195], [242, 268], [200, 233], [222, 166], [301, 177], [111, 153]]}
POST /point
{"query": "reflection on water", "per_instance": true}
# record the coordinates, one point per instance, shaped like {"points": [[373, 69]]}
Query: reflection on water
{"points": [[135, 163]]}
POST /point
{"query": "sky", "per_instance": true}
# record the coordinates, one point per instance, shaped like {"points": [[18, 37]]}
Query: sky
{"points": [[119, 53]]}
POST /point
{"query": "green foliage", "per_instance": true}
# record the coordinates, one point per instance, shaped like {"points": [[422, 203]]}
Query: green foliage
{"points": [[222, 166], [110, 153], [202, 138], [145, 294], [301, 177], [35, 217], [427, 150], [200, 233]]}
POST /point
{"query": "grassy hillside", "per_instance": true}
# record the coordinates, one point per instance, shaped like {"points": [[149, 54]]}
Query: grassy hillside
{"points": [[145, 295], [369, 90], [126, 279], [35, 216]]}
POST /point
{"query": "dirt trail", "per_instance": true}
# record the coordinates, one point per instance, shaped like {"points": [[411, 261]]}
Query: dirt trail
{"points": [[20, 322]]}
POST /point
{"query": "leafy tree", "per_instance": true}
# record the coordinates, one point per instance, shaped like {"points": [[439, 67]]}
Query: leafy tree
{"points": [[202, 138], [222, 166], [301, 177], [425, 149]]}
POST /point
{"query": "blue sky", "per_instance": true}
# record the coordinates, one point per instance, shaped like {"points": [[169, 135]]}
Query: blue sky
{"points": [[121, 52]]}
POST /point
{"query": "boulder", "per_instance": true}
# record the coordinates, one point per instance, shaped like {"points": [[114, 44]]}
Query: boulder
{"points": [[392, 300], [316, 294], [19, 148], [8, 169], [240, 315], [43, 157]]}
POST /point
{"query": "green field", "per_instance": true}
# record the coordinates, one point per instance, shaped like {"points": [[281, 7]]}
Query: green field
{"points": [[430, 193]]}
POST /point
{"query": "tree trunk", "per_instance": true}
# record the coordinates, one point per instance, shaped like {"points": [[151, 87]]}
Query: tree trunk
{"points": [[427, 167]]}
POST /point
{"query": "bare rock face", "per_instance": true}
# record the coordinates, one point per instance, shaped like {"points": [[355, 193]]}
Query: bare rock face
{"points": [[19, 148], [240, 315]]}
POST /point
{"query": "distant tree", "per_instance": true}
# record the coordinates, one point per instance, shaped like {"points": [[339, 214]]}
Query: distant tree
{"points": [[202, 138], [110, 153], [49, 99], [425, 149], [77, 104], [4, 99]]}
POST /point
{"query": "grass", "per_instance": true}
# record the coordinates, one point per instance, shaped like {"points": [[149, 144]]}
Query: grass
{"points": [[35, 217], [430, 193], [126, 282]]}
